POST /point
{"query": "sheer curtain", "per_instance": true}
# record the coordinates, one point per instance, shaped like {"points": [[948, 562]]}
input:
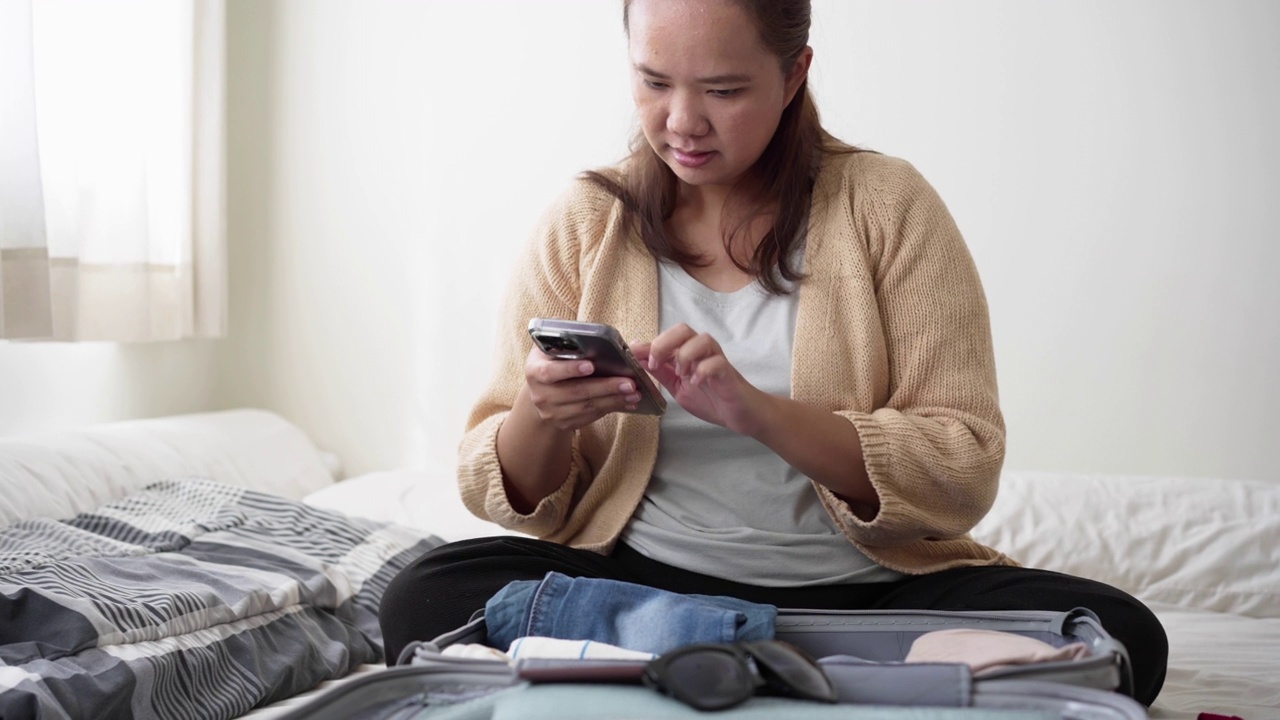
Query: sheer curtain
{"points": [[112, 169]]}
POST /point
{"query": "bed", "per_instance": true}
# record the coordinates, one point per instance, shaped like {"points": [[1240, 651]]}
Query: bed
{"points": [[168, 568], [1204, 554]]}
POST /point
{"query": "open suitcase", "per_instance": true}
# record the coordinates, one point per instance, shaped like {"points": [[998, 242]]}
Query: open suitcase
{"points": [[861, 651]]}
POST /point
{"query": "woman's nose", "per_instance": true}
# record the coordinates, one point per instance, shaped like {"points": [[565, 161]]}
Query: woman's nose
{"points": [[685, 116]]}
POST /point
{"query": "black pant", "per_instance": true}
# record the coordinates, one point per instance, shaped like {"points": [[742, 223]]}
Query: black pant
{"points": [[439, 592]]}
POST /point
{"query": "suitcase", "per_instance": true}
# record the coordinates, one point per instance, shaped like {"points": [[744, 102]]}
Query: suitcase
{"points": [[860, 650]]}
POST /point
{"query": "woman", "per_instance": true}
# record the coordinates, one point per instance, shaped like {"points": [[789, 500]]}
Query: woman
{"points": [[820, 326]]}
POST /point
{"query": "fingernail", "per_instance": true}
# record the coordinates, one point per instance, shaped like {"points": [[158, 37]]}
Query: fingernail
{"points": [[625, 387], [632, 400], [584, 368]]}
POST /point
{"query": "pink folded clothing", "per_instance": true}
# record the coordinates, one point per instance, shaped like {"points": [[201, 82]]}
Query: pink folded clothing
{"points": [[988, 650]]}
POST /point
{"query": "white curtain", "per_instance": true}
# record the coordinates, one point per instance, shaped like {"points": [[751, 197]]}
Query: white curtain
{"points": [[112, 169]]}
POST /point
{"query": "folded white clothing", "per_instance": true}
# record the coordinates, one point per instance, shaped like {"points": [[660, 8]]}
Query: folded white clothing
{"points": [[545, 647], [475, 651]]}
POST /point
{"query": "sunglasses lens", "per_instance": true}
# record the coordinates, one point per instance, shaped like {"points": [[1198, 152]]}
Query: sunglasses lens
{"points": [[708, 679], [790, 670]]}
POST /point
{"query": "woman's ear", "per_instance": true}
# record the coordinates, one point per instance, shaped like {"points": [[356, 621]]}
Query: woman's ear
{"points": [[799, 71]]}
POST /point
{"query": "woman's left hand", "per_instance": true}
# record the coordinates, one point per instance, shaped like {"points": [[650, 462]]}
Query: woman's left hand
{"points": [[693, 368]]}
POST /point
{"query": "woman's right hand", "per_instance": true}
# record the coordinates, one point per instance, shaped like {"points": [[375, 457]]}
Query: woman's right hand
{"points": [[567, 398]]}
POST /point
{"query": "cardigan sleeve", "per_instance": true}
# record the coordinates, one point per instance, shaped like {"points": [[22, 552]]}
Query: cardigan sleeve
{"points": [[545, 283], [934, 450]]}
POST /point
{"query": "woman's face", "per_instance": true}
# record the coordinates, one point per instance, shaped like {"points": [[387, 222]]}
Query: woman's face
{"points": [[708, 93]]}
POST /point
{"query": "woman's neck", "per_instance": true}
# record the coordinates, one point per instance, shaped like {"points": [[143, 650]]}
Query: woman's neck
{"points": [[703, 201], [705, 215]]}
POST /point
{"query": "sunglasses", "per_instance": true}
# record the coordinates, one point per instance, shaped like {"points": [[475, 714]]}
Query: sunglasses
{"points": [[719, 676]]}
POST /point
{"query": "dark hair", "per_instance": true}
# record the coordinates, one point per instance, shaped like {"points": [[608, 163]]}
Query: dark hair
{"points": [[782, 178]]}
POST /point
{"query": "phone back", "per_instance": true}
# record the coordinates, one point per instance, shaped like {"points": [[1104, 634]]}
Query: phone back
{"points": [[603, 346]]}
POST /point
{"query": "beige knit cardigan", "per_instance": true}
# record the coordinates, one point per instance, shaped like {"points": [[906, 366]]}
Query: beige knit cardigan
{"points": [[891, 334]]}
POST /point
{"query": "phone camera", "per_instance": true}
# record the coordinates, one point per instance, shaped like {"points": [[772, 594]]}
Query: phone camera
{"points": [[555, 344]]}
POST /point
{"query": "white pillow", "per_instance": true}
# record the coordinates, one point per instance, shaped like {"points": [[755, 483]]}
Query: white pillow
{"points": [[1209, 544], [58, 474]]}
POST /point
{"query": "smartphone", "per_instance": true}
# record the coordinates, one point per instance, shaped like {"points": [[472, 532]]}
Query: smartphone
{"points": [[603, 346], [543, 670]]}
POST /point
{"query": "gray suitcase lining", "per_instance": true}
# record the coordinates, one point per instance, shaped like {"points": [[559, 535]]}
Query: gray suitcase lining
{"points": [[887, 637], [860, 650]]}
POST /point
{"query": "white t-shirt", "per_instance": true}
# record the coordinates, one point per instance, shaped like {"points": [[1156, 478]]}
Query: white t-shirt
{"points": [[723, 504]]}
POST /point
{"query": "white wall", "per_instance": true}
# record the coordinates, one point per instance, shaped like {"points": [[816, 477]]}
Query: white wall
{"points": [[47, 386], [1116, 170], [1111, 165], [386, 159]]}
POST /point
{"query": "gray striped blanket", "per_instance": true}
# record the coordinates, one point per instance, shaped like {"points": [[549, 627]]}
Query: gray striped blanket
{"points": [[189, 599]]}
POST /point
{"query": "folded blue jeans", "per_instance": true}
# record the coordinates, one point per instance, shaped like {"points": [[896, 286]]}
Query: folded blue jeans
{"points": [[624, 614]]}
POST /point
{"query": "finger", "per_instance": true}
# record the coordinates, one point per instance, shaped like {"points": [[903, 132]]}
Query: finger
{"points": [[590, 395], [666, 375], [640, 351], [591, 390], [695, 350], [663, 347], [708, 372], [573, 404], [585, 412], [545, 369]]}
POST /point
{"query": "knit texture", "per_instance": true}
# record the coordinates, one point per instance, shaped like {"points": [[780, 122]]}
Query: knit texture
{"points": [[892, 333]]}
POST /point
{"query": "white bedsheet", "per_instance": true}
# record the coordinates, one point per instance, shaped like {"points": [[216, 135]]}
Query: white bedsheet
{"points": [[1204, 554], [1219, 663], [417, 498]]}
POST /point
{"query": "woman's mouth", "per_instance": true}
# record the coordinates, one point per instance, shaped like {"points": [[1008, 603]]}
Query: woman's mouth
{"points": [[691, 159]]}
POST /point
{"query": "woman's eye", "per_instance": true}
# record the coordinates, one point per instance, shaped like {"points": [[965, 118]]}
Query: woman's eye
{"points": [[654, 84], [726, 93]]}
